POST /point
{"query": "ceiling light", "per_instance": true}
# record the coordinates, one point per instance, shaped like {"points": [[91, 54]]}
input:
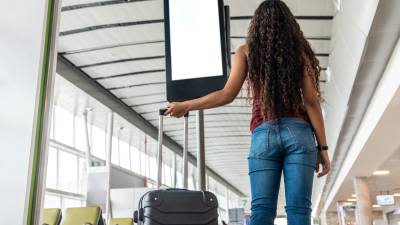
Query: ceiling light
{"points": [[376, 206], [354, 195], [347, 203], [381, 172], [396, 194], [351, 200]]}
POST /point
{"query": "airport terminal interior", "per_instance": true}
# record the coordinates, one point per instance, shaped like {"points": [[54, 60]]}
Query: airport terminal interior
{"points": [[110, 82]]}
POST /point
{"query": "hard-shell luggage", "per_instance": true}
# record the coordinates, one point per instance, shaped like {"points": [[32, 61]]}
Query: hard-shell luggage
{"points": [[176, 206]]}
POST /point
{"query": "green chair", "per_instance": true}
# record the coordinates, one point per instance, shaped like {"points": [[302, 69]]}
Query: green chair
{"points": [[51, 216], [83, 216], [121, 221]]}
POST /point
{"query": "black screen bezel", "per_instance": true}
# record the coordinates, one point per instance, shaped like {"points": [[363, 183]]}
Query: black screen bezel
{"points": [[182, 90]]}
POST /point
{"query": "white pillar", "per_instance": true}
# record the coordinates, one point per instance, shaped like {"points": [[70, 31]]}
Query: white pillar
{"points": [[323, 219], [364, 204], [340, 213], [329, 218]]}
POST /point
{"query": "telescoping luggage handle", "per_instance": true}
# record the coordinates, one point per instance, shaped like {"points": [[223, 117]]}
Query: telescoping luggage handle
{"points": [[160, 145]]}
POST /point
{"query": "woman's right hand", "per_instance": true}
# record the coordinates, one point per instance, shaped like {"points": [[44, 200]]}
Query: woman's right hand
{"points": [[177, 109], [324, 161]]}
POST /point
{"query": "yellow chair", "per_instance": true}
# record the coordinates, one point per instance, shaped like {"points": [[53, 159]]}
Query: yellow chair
{"points": [[82, 216], [121, 221], [51, 216]]}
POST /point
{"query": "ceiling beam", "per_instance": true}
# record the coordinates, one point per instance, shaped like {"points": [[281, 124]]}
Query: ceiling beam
{"points": [[130, 74], [123, 60], [110, 47], [144, 59], [107, 26], [80, 79], [308, 38], [297, 17], [154, 42], [97, 4], [143, 22]]}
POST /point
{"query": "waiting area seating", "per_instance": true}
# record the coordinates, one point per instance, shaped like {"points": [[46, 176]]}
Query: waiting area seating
{"points": [[51, 216], [82, 216], [121, 221]]}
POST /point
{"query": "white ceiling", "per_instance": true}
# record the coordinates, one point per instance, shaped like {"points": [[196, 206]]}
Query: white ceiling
{"points": [[120, 45], [360, 53], [378, 185]]}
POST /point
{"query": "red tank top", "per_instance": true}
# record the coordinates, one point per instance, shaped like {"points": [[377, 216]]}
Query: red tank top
{"points": [[257, 116]]}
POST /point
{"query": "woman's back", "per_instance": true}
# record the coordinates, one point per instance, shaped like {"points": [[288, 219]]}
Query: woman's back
{"points": [[278, 58], [258, 116]]}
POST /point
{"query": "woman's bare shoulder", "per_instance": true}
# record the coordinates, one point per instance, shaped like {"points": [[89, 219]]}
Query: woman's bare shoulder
{"points": [[243, 50]]}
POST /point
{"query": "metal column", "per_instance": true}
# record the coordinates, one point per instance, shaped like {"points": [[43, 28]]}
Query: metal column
{"points": [[110, 131], [88, 150], [185, 152], [201, 164]]}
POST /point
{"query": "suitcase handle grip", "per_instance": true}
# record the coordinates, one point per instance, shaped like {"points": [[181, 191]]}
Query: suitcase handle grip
{"points": [[176, 189], [164, 110]]}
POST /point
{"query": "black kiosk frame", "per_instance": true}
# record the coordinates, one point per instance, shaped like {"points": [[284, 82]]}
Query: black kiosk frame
{"points": [[181, 90]]}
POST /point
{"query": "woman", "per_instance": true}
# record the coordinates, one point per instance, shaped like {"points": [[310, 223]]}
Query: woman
{"points": [[282, 73]]}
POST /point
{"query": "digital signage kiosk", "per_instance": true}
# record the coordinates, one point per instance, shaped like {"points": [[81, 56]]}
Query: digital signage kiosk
{"points": [[195, 45]]}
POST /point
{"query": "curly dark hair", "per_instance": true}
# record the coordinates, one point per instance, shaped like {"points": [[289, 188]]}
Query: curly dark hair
{"points": [[279, 57]]}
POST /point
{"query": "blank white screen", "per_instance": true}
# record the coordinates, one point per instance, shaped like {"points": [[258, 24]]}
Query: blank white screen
{"points": [[195, 39]]}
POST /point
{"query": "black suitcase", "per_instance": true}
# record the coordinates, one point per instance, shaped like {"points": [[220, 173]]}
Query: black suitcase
{"points": [[176, 206]]}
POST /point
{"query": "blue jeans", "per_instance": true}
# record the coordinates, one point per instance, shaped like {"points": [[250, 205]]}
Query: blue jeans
{"points": [[287, 146]]}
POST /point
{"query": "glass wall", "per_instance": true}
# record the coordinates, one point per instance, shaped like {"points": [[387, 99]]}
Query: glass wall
{"points": [[132, 151]]}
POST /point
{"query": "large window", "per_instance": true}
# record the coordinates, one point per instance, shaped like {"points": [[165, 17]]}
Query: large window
{"points": [[66, 167], [98, 147], [132, 151], [136, 164], [115, 159], [52, 169], [65, 122], [68, 172], [60, 201], [125, 157], [66, 180], [80, 134]]}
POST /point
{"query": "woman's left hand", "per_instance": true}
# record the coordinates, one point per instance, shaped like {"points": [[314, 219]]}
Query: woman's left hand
{"points": [[325, 162], [177, 109]]}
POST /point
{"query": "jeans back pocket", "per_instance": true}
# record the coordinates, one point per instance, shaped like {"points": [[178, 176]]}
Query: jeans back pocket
{"points": [[303, 136], [259, 143]]}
